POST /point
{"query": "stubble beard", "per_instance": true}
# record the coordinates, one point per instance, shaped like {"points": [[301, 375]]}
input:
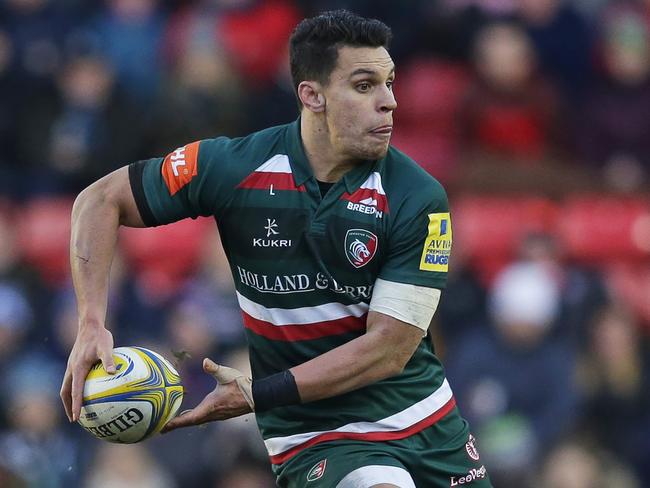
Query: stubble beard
{"points": [[377, 152], [370, 151]]}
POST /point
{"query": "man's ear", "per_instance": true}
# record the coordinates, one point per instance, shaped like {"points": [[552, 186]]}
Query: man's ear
{"points": [[311, 96]]}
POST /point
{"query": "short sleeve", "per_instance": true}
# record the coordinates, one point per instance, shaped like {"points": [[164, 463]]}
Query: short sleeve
{"points": [[191, 181], [420, 240]]}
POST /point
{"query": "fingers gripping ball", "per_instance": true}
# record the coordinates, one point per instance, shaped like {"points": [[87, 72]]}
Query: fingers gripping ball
{"points": [[225, 375], [134, 403]]}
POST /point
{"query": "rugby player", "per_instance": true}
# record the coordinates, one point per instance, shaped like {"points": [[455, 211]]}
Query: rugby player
{"points": [[339, 247]]}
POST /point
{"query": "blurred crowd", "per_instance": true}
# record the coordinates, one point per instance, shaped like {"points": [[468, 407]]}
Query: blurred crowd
{"points": [[533, 113]]}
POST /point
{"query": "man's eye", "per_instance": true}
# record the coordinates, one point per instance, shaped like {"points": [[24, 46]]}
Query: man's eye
{"points": [[389, 84], [363, 87]]}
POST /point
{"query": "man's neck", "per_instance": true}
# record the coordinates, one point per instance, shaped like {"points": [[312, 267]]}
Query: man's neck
{"points": [[327, 164]]}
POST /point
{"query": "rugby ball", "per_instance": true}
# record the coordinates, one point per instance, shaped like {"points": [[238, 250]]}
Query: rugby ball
{"points": [[134, 403]]}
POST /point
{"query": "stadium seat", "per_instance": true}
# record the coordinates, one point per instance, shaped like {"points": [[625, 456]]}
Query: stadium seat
{"points": [[436, 154], [488, 230], [428, 94], [255, 37], [429, 91], [44, 237], [162, 258], [606, 230]]}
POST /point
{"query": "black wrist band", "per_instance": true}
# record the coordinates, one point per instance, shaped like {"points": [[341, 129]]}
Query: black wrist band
{"points": [[276, 390]]}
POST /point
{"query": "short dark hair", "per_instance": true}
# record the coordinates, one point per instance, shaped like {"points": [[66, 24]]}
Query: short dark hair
{"points": [[315, 42]]}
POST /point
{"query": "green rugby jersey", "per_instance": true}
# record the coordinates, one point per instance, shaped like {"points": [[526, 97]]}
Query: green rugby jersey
{"points": [[304, 268]]}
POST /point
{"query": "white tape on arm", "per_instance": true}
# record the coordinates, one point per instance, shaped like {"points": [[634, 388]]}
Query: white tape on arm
{"points": [[412, 304]]}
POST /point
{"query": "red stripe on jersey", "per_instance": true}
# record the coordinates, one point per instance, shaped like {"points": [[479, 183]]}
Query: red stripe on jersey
{"points": [[363, 195], [304, 332], [262, 180], [368, 436]]}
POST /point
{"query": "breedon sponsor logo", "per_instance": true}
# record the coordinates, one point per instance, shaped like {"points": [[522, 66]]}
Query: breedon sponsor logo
{"points": [[369, 199]]}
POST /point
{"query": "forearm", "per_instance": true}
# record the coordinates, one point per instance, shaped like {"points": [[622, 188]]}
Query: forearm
{"points": [[95, 222], [96, 216], [380, 353], [340, 370]]}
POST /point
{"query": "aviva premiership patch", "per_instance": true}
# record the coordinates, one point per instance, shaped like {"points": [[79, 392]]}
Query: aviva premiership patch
{"points": [[437, 246]]}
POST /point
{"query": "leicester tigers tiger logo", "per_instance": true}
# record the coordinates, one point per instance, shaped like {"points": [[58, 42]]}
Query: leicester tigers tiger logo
{"points": [[359, 250], [360, 246]]}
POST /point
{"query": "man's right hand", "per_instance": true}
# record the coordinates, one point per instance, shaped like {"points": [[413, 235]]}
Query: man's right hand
{"points": [[93, 343]]}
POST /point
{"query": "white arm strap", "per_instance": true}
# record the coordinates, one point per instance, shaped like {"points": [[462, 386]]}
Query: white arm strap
{"points": [[412, 304]]}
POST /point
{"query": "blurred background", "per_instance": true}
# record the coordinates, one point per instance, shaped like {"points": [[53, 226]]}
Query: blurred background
{"points": [[535, 114]]}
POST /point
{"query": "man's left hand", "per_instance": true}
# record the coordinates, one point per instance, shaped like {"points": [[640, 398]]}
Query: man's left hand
{"points": [[231, 398]]}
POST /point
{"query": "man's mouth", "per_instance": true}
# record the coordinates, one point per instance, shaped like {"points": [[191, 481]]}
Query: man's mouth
{"points": [[384, 129]]}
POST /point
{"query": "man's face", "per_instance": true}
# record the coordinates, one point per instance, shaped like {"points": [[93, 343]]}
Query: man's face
{"points": [[359, 102]]}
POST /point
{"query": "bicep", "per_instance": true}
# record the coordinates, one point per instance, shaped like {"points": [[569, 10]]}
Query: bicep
{"points": [[419, 244], [192, 181], [115, 189]]}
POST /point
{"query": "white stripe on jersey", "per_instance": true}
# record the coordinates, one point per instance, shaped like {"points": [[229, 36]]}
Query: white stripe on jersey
{"points": [[277, 164], [302, 315], [377, 474], [374, 183], [396, 422]]}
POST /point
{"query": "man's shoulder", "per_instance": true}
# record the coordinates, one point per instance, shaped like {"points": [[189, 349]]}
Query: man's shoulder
{"points": [[245, 147]]}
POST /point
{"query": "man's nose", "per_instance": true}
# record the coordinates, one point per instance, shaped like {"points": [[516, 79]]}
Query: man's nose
{"points": [[388, 101]]}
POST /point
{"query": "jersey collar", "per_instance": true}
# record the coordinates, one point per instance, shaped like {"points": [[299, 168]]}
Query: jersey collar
{"points": [[302, 170]]}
